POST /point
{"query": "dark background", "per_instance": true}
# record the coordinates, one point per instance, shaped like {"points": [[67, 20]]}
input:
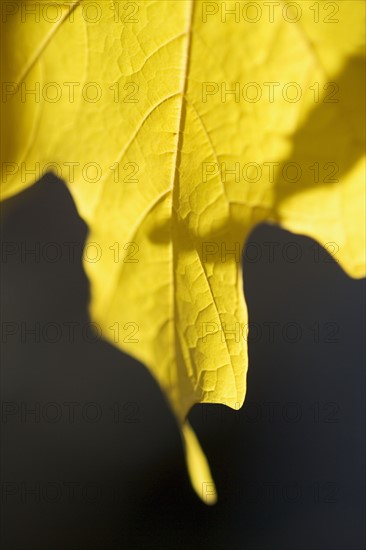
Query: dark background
{"points": [[289, 466]]}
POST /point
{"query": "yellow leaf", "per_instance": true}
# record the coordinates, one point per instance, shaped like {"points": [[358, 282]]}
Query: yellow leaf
{"points": [[178, 126]]}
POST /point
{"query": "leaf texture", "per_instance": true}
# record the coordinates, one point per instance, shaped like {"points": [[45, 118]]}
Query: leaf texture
{"points": [[188, 161]]}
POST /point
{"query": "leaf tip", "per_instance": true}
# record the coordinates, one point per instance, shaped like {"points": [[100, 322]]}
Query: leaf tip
{"points": [[198, 468]]}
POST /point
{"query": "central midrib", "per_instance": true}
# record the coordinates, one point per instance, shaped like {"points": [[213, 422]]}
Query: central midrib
{"points": [[175, 183]]}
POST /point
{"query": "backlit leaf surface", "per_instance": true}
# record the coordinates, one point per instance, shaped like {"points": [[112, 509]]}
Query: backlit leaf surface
{"points": [[193, 135]]}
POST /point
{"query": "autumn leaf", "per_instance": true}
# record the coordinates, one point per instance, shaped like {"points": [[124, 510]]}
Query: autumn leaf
{"points": [[178, 126]]}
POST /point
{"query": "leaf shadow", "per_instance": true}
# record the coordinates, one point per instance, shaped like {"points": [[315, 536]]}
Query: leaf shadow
{"points": [[322, 139]]}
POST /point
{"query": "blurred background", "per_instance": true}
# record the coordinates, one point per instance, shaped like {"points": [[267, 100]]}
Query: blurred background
{"points": [[91, 457]]}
